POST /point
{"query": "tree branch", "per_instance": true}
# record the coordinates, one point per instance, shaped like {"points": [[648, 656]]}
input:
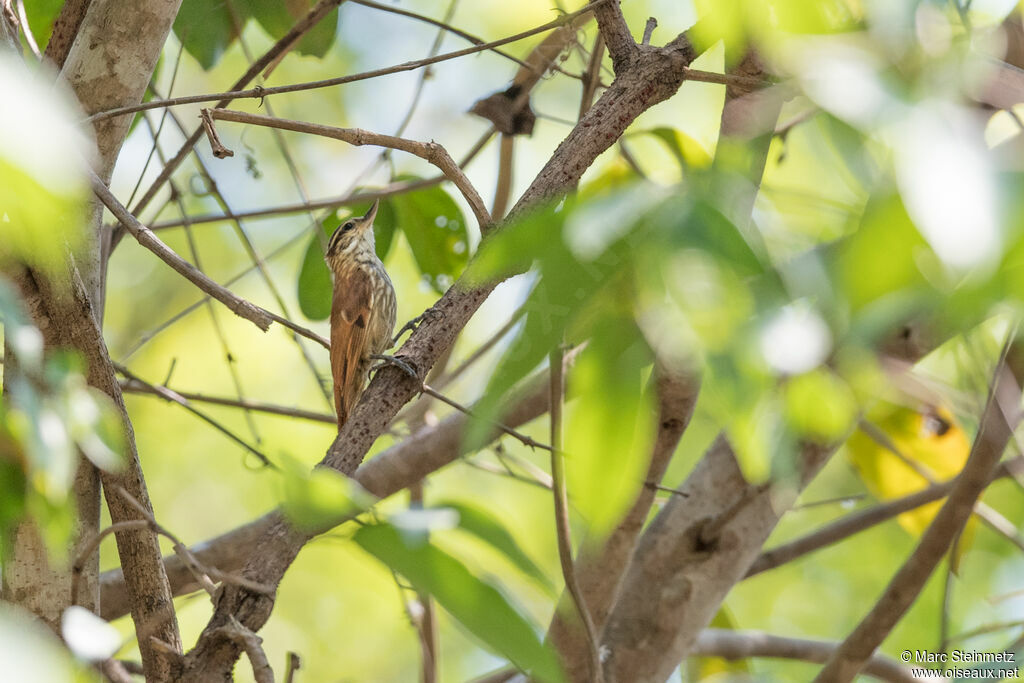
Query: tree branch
{"points": [[859, 521], [146, 238], [612, 25], [222, 98], [71, 323], [65, 28], [431, 152], [734, 645]]}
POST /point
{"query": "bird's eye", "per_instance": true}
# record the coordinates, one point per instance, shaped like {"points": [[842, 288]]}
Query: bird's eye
{"points": [[348, 226]]}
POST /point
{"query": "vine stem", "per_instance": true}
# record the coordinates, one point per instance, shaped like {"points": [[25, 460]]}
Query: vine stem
{"points": [[563, 531]]}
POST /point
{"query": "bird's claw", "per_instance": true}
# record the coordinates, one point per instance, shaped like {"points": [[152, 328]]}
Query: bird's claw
{"points": [[430, 313], [392, 360]]}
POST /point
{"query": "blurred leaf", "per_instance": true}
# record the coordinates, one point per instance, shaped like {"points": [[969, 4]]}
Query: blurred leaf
{"points": [[43, 162], [87, 636], [948, 184], [96, 427], [609, 430], [206, 29], [436, 231], [475, 604], [688, 152], [317, 500], [566, 288], [31, 652], [819, 406], [315, 286], [489, 529], [704, 227], [517, 245], [735, 22], [737, 391], [868, 274]]}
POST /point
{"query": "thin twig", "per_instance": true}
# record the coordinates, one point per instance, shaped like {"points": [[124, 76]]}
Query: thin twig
{"points": [[261, 92], [428, 151], [348, 199], [294, 664], [301, 27], [218, 149], [741, 645], [562, 527], [859, 521], [519, 436], [985, 630], [652, 24], [445, 26], [26, 30], [253, 646], [167, 394], [131, 386]]}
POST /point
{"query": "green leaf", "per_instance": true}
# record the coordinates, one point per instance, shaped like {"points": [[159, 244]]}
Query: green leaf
{"points": [[436, 232], [272, 15], [43, 182], [41, 15], [688, 152], [314, 284], [319, 39], [277, 18], [610, 428], [474, 603], [317, 500], [206, 30], [704, 227], [819, 406], [489, 529], [866, 274], [315, 278]]}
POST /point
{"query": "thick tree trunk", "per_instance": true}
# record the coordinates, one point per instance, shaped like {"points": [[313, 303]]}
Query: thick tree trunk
{"points": [[110, 64]]}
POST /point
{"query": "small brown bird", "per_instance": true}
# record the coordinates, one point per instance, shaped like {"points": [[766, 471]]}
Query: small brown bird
{"points": [[362, 309]]}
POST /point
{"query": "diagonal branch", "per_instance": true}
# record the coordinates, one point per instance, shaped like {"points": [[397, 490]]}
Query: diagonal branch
{"points": [[864, 519], [428, 151], [146, 238]]}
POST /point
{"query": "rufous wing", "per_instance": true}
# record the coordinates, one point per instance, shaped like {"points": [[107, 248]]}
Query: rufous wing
{"points": [[350, 317]]}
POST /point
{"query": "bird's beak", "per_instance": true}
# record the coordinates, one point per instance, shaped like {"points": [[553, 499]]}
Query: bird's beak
{"points": [[371, 214]]}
